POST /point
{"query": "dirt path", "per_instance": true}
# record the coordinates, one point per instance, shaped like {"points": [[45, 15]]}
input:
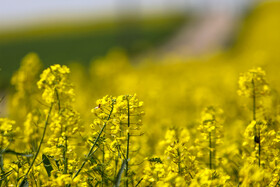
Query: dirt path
{"points": [[207, 34]]}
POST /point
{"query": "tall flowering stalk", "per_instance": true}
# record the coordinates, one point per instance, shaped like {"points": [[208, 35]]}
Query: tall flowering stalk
{"points": [[25, 97], [103, 118], [211, 133], [210, 138], [259, 135], [181, 164], [253, 85], [24, 81], [119, 119], [154, 172], [60, 146], [129, 124]]}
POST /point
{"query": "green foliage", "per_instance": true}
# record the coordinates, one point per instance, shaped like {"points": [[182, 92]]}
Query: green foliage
{"points": [[62, 44]]}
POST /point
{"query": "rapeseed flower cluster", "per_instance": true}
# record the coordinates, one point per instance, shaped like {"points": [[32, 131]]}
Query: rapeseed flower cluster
{"points": [[121, 119], [177, 165], [211, 134], [24, 81], [115, 151], [261, 152], [56, 141], [253, 83], [63, 123], [55, 85]]}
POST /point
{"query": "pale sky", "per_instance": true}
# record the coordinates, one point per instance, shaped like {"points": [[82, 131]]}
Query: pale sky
{"points": [[21, 12]]}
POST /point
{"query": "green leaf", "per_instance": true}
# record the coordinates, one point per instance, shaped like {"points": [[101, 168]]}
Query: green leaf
{"points": [[119, 176], [9, 151], [155, 159], [47, 164], [24, 183]]}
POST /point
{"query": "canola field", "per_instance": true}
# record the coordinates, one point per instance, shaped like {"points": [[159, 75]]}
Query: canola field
{"points": [[208, 121]]}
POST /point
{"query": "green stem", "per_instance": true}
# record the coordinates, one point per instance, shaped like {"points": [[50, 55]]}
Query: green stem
{"points": [[210, 151], [259, 146], [2, 162], [179, 162], [254, 109], [214, 147], [2, 169], [277, 182], [103, 161], [139, 182], [58, 100], [41, 141], [254, 100], [116, 167], [94, 144], [255, 128], [65, 160], [128, 139], [64, 157], [190, 175]]}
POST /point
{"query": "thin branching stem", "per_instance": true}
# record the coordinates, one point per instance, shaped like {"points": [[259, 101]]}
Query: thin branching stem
{"points": [[277, 182], [94, 144], [128, 138], [210, 151], [257, 134], [41, 141], [179, 162], [139, 182], [103, 169], [254, 109], [64, 157], [259, 146], [254, 100], [2, 169], [65, 160]]}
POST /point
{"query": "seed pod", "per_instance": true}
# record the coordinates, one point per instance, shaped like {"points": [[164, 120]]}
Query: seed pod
{"points": [[257, 139]]}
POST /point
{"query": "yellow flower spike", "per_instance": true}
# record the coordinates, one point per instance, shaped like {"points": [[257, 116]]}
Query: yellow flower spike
{"points": [[55, 81], [253, 83], [123, 120], [64, 121], [24, 80], [211, 130]]}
